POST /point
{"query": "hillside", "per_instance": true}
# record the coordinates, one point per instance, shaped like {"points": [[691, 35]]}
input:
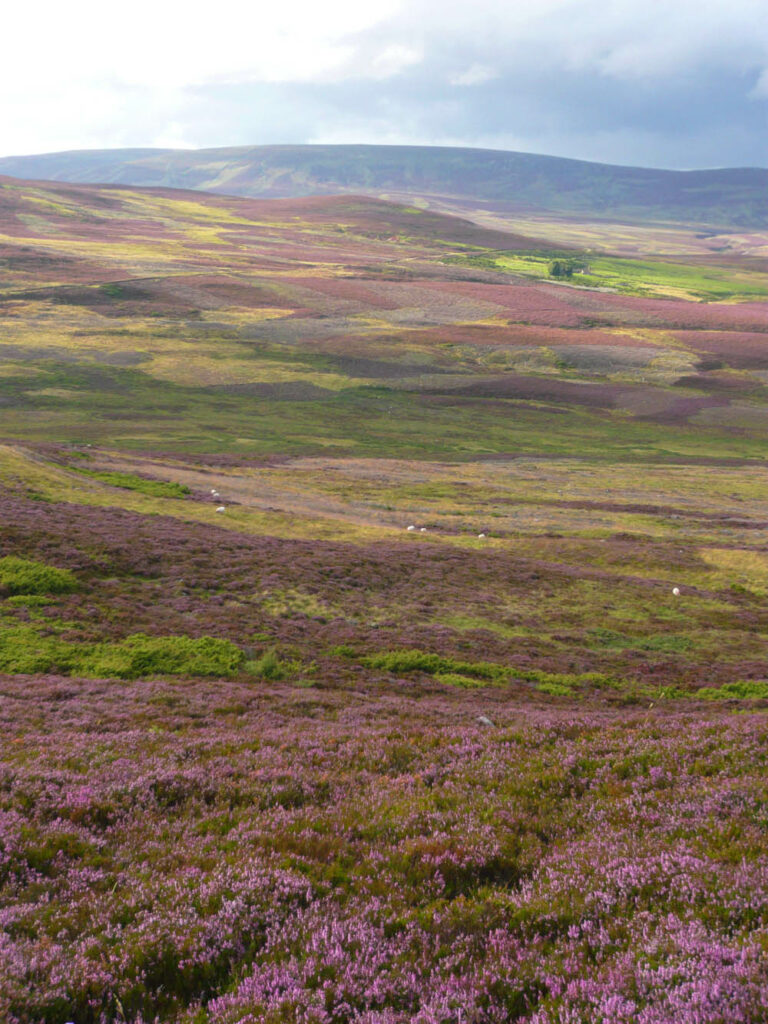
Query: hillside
{"points": [[500, 181], [383, 620], [371, 327]]}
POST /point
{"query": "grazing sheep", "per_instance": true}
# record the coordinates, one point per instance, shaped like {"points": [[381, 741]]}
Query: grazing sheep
{"points": [[423, 529], [676, 591], [221, 508], [483, 720], [481, 536], [411, 529]]}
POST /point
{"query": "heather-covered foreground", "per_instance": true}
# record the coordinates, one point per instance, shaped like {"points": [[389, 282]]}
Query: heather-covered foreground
{"points": [[224, 851], [389, 776]]}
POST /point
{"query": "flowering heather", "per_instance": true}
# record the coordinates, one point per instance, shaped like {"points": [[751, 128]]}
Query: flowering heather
{"points": [[356, 610], [227, 852]]}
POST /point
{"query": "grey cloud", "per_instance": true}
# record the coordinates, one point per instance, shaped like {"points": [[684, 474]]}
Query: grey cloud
{"points": [[630, 82], [645, 82]]}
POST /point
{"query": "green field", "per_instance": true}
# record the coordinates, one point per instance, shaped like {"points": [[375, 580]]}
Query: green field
{"points": [[630, 276]]}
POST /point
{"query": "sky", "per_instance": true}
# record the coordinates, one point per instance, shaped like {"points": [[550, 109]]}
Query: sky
{"points": [[662, 83]]}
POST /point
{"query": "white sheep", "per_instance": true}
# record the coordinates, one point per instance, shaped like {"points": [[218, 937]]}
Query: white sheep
{"points": [[411, 529], [481, 536], [676, 591], [221, 508], [423, 529]]}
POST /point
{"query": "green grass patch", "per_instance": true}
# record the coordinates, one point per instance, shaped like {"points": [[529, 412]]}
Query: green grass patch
{"points": [[663, 643], [435, 664], [743, 689], [480, 673], [132, 482], [24, 651], [563, 682], [127, 409], [28, 601], [291, 601], [24, 576], [629, 276]]}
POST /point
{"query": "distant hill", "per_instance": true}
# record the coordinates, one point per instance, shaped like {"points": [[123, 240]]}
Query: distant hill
{"points": [[506, 181]]}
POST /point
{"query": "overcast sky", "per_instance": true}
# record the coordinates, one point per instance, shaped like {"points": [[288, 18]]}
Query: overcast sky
{"points": [[666, 83]]}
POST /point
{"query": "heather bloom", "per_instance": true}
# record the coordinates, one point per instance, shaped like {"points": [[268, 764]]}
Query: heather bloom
{"points": [[209, 852]]}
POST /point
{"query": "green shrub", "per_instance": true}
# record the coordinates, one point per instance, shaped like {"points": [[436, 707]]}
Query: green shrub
{"points": [[569, 679], [268, 666], [422, 661], [479, 673], [667, 643], [140, 655], [556, 689], [454, 679], [342, 651], [24, 651], [743, 689], [23, 576]]}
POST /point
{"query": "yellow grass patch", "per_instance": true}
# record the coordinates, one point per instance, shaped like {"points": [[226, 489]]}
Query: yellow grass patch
{"points": [[208, 371], [738, 566]]}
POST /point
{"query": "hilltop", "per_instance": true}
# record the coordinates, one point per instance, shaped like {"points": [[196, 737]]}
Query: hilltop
{"points": [[487, 181]]}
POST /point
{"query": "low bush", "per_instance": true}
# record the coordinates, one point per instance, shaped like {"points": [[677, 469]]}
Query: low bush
{"points": [[556, 689], [743, 689], [23, 576], [478, 673], [268, 666], [24, 651], [422, 661], [454, 679]]}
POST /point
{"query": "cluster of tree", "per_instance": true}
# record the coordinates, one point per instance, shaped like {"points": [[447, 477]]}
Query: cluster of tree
{"points": [[567, 268]]}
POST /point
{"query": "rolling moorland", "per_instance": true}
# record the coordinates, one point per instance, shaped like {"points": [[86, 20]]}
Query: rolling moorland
{"points": [[486, 183], [383, 620]]}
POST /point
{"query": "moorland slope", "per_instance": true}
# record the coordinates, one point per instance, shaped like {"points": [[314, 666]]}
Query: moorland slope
{"points": [[383, 620], [495, 180], [342, 368]]}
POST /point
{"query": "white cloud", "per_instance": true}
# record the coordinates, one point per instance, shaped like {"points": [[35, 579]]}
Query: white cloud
{"points": [[474, 75], [760, 90], [85, 74], [393, 60]]}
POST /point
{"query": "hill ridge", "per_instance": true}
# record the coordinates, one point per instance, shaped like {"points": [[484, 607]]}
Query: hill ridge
{"points": [[498, 179]]}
